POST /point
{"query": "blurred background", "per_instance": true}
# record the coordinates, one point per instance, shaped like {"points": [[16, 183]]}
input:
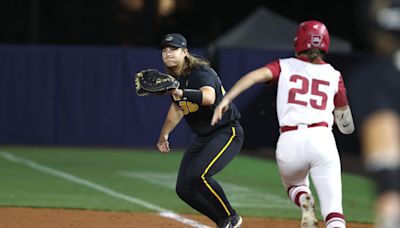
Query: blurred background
{"points": [[66, 67], [144, 22]]}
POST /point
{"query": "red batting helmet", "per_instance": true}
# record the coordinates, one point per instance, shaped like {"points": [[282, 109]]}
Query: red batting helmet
{"points": [[311, 34]]}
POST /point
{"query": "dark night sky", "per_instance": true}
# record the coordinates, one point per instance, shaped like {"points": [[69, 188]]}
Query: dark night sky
{"points": [[102, 22]]}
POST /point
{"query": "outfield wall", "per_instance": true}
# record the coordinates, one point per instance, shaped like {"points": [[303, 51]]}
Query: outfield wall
{"points": [[84, 96]]}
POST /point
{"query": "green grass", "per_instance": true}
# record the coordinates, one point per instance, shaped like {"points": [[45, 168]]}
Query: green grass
{"points": [[253, 185]]}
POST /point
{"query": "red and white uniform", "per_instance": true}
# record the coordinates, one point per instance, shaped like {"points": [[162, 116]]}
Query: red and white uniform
{"points": [[307, 92], [307, 95]]}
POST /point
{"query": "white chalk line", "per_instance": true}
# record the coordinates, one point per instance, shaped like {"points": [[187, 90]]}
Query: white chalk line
{"points": [[161, 211]]}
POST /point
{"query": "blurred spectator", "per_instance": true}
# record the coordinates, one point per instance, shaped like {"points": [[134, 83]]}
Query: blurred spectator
{"points": [[375, 98], [144, 22], [137, 19], [175, 15]]}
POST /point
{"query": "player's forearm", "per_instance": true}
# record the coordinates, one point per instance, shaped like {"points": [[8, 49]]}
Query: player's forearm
{"points": [[204, 96], [344, 119], [174, 116], [260, 75], [242, 85]]}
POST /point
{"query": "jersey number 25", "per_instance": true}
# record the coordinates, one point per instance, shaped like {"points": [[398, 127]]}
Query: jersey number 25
{"points": [[305, 88]]}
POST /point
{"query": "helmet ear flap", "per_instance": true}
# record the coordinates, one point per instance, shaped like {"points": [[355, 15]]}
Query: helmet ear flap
{"points": [[311, 34]]}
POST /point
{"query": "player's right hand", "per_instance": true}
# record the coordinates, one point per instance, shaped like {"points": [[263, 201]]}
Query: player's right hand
{"points": [[163, 144], [219, 111]]}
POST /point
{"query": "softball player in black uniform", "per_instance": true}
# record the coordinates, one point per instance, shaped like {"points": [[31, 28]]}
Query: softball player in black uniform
{"points": [[214, 146], [375, 96]]}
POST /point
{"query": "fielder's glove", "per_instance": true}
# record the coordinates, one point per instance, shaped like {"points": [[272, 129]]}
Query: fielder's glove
{"points": [[151, 81]]}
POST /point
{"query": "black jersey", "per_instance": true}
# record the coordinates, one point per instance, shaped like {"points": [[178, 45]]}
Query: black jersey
{"points": [[199, 117], [375, 84]]}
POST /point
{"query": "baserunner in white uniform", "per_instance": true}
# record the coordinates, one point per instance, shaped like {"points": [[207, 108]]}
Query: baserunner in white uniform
{"points": [[311, 96]]}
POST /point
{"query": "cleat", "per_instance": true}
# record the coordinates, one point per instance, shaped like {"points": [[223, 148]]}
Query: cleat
{"points": [[308, 219], [235, 221]]}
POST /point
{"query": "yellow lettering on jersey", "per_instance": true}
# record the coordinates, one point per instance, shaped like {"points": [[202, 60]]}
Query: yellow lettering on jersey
{"points": [[183, 107], [188, 107], [192, 107]]}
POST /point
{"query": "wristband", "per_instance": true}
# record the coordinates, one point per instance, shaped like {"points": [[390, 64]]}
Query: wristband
{"points": [[193, 95]]}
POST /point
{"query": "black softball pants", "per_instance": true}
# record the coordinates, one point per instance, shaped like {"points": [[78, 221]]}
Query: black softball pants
{"points": [[205, 157]]}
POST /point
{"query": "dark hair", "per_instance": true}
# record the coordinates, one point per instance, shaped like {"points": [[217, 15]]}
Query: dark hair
{"points": [[192, 62], [313, 54]]}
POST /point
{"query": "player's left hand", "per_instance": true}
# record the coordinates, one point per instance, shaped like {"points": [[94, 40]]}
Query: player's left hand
{"points": [[153, 82], [177, 94], [163, 144], [219, 111]]}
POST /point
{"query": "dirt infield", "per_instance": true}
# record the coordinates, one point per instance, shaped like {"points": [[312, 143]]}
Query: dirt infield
{"points": [[62, 218]]}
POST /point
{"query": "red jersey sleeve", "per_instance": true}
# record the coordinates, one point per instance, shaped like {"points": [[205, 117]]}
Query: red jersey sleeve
{"points": [[275, 68], [340, 99]]}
